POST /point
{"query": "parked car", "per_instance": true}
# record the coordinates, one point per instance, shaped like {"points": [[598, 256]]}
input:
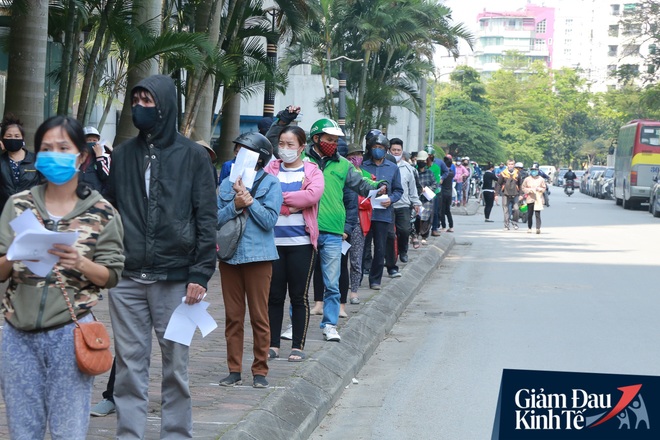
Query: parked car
{"points": [[588, 175], [593, 181], [559, 177], [654, 199], [607, 174]]}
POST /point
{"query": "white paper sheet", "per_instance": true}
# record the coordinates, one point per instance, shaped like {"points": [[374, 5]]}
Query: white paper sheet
{"points": [[376, 202], [345, 246], [33, 241], [246, 161], [186, 318], [428, 193]]}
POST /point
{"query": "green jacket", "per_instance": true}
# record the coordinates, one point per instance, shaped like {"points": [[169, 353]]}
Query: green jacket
{"points": [[338, 172], [33, 303]]}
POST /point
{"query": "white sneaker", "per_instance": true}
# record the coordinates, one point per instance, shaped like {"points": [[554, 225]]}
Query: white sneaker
{"points": [[288, 333], [330, 333]]}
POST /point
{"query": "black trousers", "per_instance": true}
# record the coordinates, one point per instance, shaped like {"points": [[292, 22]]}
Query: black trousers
{"points": [[292, 272], [445, 210], [530, 217], [489, 199], [379, 232], [403, 229]]}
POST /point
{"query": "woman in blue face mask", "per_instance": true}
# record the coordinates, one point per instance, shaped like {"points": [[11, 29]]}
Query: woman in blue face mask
{"points": [[37, 356], [533, 188]]}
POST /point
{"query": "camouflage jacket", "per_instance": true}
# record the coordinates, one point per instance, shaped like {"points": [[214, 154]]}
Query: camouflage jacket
{"points": [[33, 303]]}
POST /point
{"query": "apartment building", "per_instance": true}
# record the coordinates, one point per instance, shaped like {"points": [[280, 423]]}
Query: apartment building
{"points": [[589, 35], [528, 31]]}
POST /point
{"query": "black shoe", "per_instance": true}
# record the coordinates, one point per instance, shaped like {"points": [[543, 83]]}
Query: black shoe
{"points": [[231, 380], [403, 258], [259, 381], [489, 221]]}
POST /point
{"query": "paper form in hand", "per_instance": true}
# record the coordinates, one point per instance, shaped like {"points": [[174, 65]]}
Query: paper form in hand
{"points": [[428, 193], [246, 161], [186, 318], [376, 203], [33, 241], [345, 246]]}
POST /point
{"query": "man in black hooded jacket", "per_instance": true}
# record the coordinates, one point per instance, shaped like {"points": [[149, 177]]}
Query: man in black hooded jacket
{"points": [[162, 185]]}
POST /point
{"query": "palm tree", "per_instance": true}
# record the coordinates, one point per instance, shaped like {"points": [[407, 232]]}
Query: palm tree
{"points": [[26, 76]]}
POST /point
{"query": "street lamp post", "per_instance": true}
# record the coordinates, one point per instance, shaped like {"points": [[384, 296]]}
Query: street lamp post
{"points": [[342, 89], [432, 116]]}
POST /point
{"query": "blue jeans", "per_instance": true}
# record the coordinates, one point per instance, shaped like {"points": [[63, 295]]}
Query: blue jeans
{"points": [[329, 247], [435, 222]]}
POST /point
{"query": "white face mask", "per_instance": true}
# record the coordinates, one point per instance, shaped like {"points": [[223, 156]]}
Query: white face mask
{"points": [[398, 158], [288, 156]]}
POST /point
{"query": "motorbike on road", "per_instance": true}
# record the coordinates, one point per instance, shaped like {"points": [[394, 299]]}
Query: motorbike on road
{"points": [[568, 188]]}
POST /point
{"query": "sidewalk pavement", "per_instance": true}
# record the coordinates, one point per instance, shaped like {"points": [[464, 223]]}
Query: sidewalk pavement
{"points": [[300, 394]]}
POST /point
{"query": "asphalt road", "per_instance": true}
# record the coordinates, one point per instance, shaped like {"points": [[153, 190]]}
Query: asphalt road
{"points": [[581, 296]]}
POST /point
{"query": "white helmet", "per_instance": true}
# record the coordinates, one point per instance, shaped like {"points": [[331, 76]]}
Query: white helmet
{"points": [[91, 130], [518, 165]]}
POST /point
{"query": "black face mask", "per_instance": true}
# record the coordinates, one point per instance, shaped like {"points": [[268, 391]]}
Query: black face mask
{"points": [[421, 164], [13, 145], [144, 118]]}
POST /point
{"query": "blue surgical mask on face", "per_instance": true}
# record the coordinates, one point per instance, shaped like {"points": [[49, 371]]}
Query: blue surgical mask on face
{"points": [[57, 168], [378, 153], [534, 172]]}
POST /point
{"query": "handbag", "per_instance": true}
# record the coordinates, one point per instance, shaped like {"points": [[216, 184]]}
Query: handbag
{"points": [[230, 233], [91, 340]]}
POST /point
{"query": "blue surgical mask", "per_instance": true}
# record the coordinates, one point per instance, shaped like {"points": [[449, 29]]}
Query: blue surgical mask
{"points": [[378, 153], [57, 168], [534, 172]]}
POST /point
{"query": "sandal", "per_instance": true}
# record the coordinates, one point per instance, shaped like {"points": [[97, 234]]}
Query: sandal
{"points": [[297, 355], [415, 244], [452, 229], [272, 354], [424, 242]]}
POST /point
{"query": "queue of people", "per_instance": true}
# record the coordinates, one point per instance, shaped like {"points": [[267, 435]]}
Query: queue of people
{"points": [[147, 213]]}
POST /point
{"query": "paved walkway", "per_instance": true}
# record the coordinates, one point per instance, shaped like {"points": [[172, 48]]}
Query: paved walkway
{"points": [[299, 394]]}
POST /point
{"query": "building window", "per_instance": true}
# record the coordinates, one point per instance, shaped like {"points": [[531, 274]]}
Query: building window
{"points": [[629, 8], [613, 31], [567, 52], [540, 27], [611, 87], [632, 29], [611, 51], [611, 70], [615, 9], [484, 23], [568, 42], [569, 22], [630, 50]]}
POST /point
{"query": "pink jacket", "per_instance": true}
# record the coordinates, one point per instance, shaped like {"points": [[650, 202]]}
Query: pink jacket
{"points": [[462, 173], [306, 199]]}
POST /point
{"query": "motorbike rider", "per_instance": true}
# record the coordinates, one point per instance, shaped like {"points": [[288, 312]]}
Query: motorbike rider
{"points": [[569, 181]]}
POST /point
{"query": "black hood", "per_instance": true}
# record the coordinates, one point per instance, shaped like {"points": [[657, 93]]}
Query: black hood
{"points": [[163, 90]]}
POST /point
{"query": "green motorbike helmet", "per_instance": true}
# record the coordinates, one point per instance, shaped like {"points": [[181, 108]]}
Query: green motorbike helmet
{"points": [[327, 126]]}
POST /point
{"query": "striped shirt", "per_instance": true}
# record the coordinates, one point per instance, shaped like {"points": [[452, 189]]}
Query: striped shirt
{"points": [[290, 230]]}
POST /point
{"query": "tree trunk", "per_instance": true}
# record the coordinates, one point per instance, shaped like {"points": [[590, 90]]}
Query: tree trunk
{"points": [[95, 64], [67, 54], [230, 129], [199, 112], [143, 11], [26, 75]]}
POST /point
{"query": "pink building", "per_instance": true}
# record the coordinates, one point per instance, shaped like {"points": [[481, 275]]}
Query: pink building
{"points": [[528, 31]]}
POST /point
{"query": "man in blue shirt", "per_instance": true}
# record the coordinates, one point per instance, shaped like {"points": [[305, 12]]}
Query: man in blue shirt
{"points": [[383, 216]]}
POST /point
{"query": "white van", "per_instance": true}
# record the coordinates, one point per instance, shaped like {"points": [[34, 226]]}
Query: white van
{"points": [[549, 170]]}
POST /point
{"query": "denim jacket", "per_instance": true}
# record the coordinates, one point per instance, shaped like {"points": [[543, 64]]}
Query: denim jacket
{"points": [[258, 240]]}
